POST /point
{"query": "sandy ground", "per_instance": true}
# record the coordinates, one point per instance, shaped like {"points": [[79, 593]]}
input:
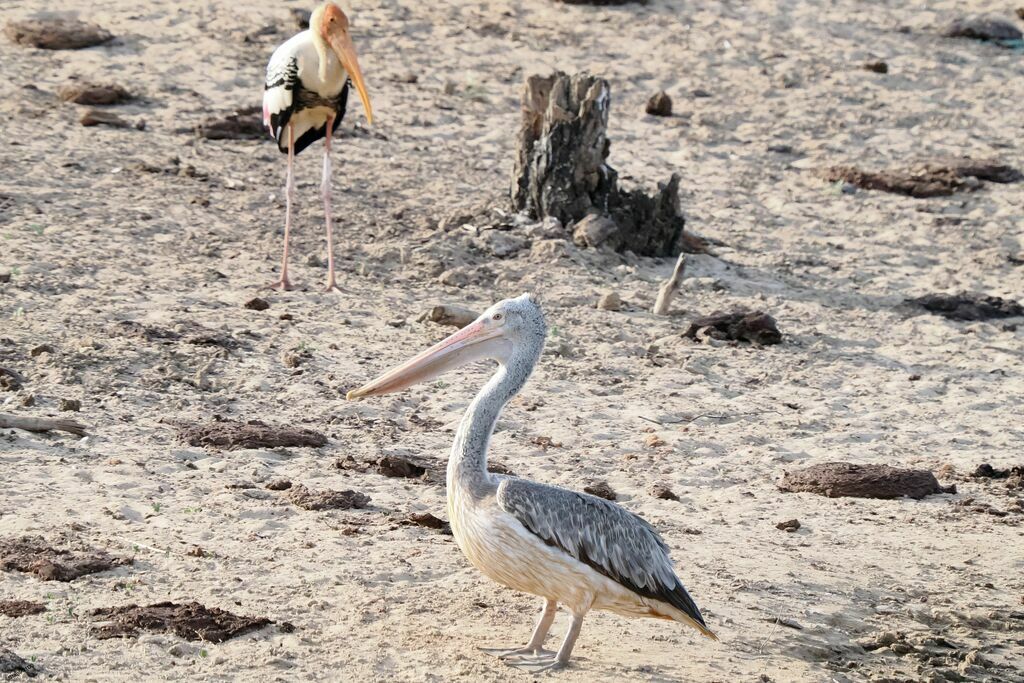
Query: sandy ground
{"points": [[100, 225]]}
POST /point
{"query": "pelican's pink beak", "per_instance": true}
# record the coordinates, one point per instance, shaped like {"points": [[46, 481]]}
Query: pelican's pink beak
{"points": [[473, 342]]}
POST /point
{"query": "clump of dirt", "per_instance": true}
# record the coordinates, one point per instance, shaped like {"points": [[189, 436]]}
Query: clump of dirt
{"points": [[844, 479], [10, 380], [232, 434], [20, 608], [393, 466], [244, 124], [428, 520], [929, 179], [191, 621], [986, 471], [93, 94], [31, 554], [789, 525], [601, 489], [11, 663], [663, 492], [660, 104], [326, 499], [57, 34], [968, 306], [755, 327]]}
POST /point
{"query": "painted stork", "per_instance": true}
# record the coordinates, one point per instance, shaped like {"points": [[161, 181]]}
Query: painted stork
{"points": [[304, 99], [566, 547]]}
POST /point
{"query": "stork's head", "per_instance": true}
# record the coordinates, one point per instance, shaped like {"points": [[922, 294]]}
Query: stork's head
{"points": [[330, 26], [511, 332]]}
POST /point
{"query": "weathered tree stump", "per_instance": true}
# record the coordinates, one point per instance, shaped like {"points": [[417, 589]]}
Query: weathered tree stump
{"points": [[561, 169]]}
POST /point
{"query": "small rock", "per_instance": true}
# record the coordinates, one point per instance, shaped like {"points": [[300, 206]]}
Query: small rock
{"points": [[660, 104], [967, 306], [447, 314], [279, 485], [454, 277], [257, 304], [301, 17], [878, 67], [196, 551], [40, 350], [610, 301], [700, 93], [654, 441], [601, 489], [57, 34], [97, 117], [5, 276], [593, 231], [28, 401], [663, 492], [979, 27], [790, 525], [755, 327], [93, 94], [327, 500], [901, 648], [70, 404]]}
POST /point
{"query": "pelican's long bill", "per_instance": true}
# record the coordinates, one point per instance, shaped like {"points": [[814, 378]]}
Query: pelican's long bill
{"points": [[341, 43], [475, 341]]}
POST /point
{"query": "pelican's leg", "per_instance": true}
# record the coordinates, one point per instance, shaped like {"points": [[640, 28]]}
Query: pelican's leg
{"points": [[325, 190], [561, 660], [289, 197], [535, 647]]}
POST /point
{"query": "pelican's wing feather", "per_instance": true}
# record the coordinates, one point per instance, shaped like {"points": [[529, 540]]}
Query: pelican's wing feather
{"points": [[605, 536]]}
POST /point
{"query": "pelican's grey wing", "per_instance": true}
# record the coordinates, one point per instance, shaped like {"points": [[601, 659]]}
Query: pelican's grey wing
{"points": [[607, 537]]}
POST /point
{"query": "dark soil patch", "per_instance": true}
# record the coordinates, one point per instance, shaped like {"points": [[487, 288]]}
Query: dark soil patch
{"points": [[844, 479], [57, 34], [32, 555], [93, 94], [930, 179], [190, 621], [968, 306], [601, 489], [20, 608], [244, 124], [231, 434], [11, 663], [326, 499], [986, 471], [756, 327]]}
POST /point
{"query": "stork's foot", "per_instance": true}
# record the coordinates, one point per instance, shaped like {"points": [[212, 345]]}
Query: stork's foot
{"points": [[538, 665], [522, 652], [284, 284]]}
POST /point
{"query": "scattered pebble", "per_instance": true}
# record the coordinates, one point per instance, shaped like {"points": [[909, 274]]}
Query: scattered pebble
{"points": [[610, 301], [660, 104], [593, 231], [301, 17], [70, 404], [393, 466], [52, 33], [601, 489], [279, 485], [40, 350], [257, 304], [878, 67], [789, 525], [843, 479], [449, 314], [430, 521], [663, 492]]}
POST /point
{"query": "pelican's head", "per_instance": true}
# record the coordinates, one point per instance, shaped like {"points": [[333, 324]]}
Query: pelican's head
{"points": [[330, 26], [511, 332]]}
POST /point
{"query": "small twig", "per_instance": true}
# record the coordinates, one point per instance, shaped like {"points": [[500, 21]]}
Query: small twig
{"points": [[670, 287], [41, 424]]}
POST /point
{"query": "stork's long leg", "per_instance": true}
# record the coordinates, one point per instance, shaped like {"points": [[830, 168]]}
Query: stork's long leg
{"points": [[325, 189], [535, 647], [289, 197], [561, 660]]}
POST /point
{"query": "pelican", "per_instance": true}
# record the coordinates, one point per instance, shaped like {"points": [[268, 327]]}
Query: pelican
{"points": [[566, 547], [304, 98]]}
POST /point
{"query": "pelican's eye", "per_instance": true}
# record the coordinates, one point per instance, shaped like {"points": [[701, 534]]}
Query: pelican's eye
{"points": [[497, 317]]}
